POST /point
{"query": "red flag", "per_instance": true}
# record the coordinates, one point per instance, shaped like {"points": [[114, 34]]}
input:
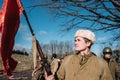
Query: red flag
{"points": [[9, 24]]}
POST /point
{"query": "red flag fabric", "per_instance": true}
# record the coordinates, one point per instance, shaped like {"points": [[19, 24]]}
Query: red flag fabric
{"points": [[9, 24]]}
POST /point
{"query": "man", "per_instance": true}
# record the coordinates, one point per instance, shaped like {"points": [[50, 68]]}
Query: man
{"points": [[113, 66], [55, 63], [83, 65]]}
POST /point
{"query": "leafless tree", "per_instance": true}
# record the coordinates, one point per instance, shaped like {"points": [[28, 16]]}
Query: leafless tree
{"points": [[45, 48], [60, 47], [53, 46], [116, 53], [91, 14], [68, 48]]}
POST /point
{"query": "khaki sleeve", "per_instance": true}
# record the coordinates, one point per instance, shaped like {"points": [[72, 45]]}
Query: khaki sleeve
{"points": [[54, 65], [61, 71], [106, 75]]}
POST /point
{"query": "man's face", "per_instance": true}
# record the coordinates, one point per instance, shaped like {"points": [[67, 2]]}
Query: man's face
{"points": [[107, 56], [80, 44]]}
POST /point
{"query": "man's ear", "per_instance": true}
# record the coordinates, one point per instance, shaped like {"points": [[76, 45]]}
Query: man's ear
{"points": [[89, 43]]}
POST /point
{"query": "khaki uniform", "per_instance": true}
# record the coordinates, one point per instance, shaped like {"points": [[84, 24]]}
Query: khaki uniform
{"points": [[75, 67], [114, 68], [54, 65]]}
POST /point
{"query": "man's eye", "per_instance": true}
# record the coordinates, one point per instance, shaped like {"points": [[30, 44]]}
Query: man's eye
{"points": [[75, 40], [78, 40]]}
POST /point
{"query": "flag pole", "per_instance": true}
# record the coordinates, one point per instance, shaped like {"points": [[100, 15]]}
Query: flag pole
{"points": [[34, 49], [37, 48]]}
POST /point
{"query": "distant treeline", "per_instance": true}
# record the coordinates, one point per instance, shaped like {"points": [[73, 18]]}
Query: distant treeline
{"points": [[20, 52]]}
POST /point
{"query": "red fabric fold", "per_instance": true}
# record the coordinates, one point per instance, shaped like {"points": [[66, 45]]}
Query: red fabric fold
{"points": [[9, 24]]}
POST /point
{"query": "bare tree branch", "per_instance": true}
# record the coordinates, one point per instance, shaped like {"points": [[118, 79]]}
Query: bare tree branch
{"points": [[102, 14]]}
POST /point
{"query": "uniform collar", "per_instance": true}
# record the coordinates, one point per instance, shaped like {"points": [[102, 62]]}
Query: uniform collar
{"points": [[84, 58], [87, 56]]}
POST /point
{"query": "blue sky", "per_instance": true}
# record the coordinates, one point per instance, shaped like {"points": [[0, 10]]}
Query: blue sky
{"points": [[46, 28]]}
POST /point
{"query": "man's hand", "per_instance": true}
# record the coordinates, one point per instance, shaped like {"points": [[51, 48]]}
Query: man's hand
{"points": [[50, 77]]}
